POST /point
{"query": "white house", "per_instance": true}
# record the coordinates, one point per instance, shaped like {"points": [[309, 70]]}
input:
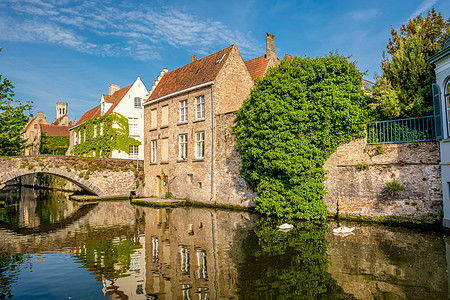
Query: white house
{"points": [[126, 102], [441, 97]]}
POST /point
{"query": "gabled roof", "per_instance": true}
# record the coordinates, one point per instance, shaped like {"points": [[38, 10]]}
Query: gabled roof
{"points": [[54, 130], [29, 124], [193, 74], [107, 98], [93, 113], [57, 121], [117, 97], [257, 66]]}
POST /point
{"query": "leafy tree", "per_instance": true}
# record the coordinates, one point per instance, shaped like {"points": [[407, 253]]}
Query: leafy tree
{"points": [[404, 89], [295, 118], [12, 120]]}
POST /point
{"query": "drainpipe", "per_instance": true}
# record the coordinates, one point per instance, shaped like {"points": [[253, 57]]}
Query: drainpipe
{"points": [[212, 143]]}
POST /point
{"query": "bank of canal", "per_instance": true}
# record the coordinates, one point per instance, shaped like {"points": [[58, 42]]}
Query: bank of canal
{"points": [[54, 248]]}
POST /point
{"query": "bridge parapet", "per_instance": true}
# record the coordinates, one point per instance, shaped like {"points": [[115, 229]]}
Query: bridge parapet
{"points": [[100, 176]]}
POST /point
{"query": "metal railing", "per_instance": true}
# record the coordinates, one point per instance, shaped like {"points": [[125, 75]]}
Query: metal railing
{"points": [[401, 131]]}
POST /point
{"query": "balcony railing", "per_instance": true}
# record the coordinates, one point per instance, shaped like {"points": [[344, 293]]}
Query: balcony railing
{"points": [[401, 131]]}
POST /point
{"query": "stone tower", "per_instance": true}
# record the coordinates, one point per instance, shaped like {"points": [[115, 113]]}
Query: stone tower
{"points": [[61, 109]]}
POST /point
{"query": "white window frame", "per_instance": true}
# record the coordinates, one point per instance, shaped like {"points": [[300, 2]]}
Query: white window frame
{"points": [[200, 145], [101, 128], [182, 146], [134, 152], [139, 104], [133, 126], [447, 104], [95, 130], [200, 107], [183, 110], [154, 151]]}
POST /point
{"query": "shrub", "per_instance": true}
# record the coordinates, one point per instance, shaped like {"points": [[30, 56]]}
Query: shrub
{"points": [[393, 186]]}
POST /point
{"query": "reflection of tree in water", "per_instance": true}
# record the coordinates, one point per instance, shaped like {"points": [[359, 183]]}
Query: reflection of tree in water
{"points": [[9, 272], [110, 258], [50, 207], [290, 265]]}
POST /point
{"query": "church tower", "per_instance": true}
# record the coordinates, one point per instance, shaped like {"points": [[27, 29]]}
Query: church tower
{"points": [[61, 109]]}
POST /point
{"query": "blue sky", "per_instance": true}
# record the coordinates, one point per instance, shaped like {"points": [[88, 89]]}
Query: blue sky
{"points": [[61, 50]]}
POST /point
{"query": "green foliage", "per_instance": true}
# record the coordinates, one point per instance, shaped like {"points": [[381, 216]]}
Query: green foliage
{"points": [[292, 265], [12, 120], [362, 167], [114, 136], [295, 118], [393, 186], [379, 150], [54, 144], [404, 89]]}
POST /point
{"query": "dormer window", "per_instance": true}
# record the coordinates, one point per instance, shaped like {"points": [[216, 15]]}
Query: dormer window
{"points": [[137, 102]]}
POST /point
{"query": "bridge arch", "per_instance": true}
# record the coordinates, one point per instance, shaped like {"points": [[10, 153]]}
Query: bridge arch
{"points": [[71, 176]]}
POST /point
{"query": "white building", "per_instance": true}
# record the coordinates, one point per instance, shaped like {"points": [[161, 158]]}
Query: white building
{"points": [[441, 98], [126, 102]]}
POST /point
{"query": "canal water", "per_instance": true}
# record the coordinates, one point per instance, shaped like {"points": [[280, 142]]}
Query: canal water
{"points": [[53, 248]]}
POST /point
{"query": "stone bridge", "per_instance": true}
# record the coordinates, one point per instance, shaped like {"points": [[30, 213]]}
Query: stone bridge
{"points": [[99, 176]]}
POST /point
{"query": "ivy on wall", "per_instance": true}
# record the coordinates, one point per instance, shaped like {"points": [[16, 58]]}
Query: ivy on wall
{"points": [[54, 144], [102, 135]]}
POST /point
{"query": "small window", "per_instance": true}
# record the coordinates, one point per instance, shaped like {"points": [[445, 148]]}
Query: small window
{"points": [[95, 130], [200, 144], [134, 152], [447, 101], [190, 178], [153, 119], [200, 108], [165, 115], [165, 150], [183, 111], [35, 126], [182, 146], [153, 151], [137, 102]]}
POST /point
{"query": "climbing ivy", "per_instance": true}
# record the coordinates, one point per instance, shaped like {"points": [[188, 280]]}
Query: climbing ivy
{"points": [[51, 144], [103, 135], [296, 117]]}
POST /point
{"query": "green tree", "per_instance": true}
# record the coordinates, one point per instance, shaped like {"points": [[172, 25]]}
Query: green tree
{"points": [[404, 89], [12, 120], [295, 118]]}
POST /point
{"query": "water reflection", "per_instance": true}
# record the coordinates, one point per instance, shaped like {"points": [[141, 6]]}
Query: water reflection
{"points": [[115, 249]]}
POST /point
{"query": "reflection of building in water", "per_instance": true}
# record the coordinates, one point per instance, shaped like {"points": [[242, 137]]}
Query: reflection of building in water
{"points": [[380, 263], [188, 253], [131, 285]]}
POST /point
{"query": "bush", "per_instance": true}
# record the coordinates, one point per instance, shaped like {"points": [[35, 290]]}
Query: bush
{"points": [[393, 187]]}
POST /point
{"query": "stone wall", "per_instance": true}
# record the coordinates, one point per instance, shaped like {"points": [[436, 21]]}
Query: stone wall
{"points": [[363, 193]]}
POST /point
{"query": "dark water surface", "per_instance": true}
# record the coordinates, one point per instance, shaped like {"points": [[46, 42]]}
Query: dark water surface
{"points": [[53, 248]]}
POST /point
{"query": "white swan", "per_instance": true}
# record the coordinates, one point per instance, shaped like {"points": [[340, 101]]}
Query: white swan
{"points": [[285, 226], [343, 230]]}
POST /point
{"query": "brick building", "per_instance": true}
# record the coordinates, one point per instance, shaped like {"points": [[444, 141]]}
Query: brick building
{"points": [[189, 148]]}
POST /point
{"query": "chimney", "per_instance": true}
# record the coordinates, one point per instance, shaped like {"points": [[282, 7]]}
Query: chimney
{"points": [[270, 47], [113, 88], [194, 58]]}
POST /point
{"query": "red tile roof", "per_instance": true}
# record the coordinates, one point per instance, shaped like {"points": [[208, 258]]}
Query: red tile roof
{"points": [[195, 73], [93, 113], [117, 97], [257, 66], [57, 121], [54, 130]]}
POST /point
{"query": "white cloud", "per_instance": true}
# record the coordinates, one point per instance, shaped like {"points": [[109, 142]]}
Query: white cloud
{"points": [[365, 15], [424, 6], [102, 29]]}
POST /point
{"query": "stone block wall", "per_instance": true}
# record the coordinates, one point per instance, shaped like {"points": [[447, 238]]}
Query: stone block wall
{"points": [[363, 193]]}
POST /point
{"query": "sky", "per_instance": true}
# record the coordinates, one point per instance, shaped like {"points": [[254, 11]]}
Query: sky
{"points": [[71, 50]]}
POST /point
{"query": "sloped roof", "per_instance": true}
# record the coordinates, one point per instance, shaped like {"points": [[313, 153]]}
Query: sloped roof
{"points": [[54, 130], [195, 73], [257, 66], [29, 124], [117, 97], [93, 113], [107, 98], [57, 121]]}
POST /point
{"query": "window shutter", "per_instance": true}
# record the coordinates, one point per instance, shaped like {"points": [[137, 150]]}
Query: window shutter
{"points": [[437, 111]]}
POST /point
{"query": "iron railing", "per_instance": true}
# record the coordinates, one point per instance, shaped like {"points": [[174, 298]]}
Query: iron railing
{"points": [[401, 131]]}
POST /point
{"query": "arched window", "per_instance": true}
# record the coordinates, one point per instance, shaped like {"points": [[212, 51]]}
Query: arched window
{"points": [[447, 102]]}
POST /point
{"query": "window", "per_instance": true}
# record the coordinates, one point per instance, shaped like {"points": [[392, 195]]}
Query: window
{"points": [[101, 128], [201, 261], [165, 115], [200, 107], [182, 146], [184, 253], [153, 152], [165, 150], [35, 126], [200, 144], [447, 101], [183, 111], [134, 152], [153, 119], [133, 126], [95, 130], [137, 102]]}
